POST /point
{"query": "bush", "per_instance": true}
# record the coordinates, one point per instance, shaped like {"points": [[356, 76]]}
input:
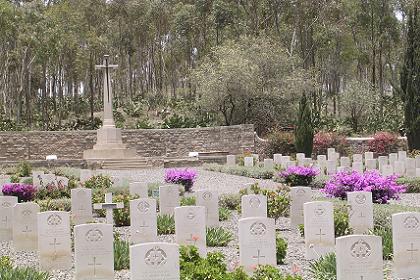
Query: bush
{"points": [[23, 192], [382, 213], [218, 237], [230, 201], [324, 140], [277, 204], [224, 214], [386, 234], [121, 253], [299, 175], [187, 201], [122, 216], [185, 177], [62, 204], [324, 268], [280, 142], [53, 191], [412, 184], [165, 224], [24, 169], [383, 188], [99, 182], [281, 249], [265, 272], [383, 143], [28, 273], [304, 132]]}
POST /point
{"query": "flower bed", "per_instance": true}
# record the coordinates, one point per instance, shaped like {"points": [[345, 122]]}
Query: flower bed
{"points": [[24, 192], [185, 177], [298, 175]]}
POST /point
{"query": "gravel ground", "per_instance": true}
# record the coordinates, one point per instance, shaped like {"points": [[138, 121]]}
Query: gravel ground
{"points": [[223, 183]]}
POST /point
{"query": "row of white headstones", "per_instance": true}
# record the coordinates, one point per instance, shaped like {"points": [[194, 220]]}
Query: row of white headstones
{"points": [[395, 163]]}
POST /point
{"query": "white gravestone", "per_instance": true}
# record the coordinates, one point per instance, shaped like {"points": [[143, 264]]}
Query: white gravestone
{"points": [[331, 167], [359, 257], [119, 181], [406, 244], [254, 205], [368, 155], [85, 175], [154, 261], [345, 162], [25, 226], [257, 243], [387, 170], [357, 158], [288, 164], [62, 182], [143, 220], [360, 211], [298, 196], [331, 154], [248, 161], [140, 189], [417, 161], [190, 227], [319, 229], [268, 163], [6, 217], [371, 164], [231, 160], [399, 168], [109, 207], [357, 166], [81, 206], [54, 245], [382, 161], [168, 199], [402, 155], [410, 167], [47, 180], [392, 157], [284, 159], [417, 172], [36, 178], [278, 157], [322, 163], [300, 158], [94, 252], [210, 200]]}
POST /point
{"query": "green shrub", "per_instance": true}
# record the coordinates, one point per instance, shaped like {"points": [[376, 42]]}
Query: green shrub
{"points": [[218, 237], [187, 201], [278, 204], [280, 142], [281, 249], [230, 201], [268, 272], [412, 184], [6, 262], [319, 182], [121, 253], [8, 272], [324, 268], [99, 182], [14, 178], [153, 188], [165, 224], [24, 169], [53, 191], [28, 181], [386, 234], [341, 220], [224, 214], [382, 213], [62, 204]]}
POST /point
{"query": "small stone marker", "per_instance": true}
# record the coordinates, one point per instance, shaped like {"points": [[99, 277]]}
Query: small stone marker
{"points": [[298, 196], [406, 244], [47, 180], [278, 157], [119, 181], [399, 168], [331, 154], [300, 158], [345, 162], [248, 161], [25, 226], [168, 199], [331, 167], [417, 172], [284, 160], [54, 245], [402, 155], [360, 211], [319, 229], [140, 189], [6, 217], [371, 164], [62, 182], [357, 158], [359, 257], [322, 163], [190, 227], [81, 206], [257, 243], [143, 220], [410, 167], [357, 166], [109, 206], [268, 163], [94, 252], [382, 161], [392, 157], [254, 205], [36, 178], [231, 160], [368, 155], [387, 170], [154, 261], [210, 200]]}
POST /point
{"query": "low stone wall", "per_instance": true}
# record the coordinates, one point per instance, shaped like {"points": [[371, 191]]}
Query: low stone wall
{"points": [[35, 145]]}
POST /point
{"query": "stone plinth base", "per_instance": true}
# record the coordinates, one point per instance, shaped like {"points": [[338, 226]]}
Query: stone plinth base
{"points": [[116, 153]]}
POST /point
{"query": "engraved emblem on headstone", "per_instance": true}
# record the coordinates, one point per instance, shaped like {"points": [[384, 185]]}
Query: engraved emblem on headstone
{"points": [[300, 192], [207, 195], [411, 222], [6, 204], [26, 213], [254, 202], [155, 257], [360, 249], [258, 229], [191, 215], [319, 210], [360, 198], [54, 220], [94, 235], [81, 194], [143, 206]]}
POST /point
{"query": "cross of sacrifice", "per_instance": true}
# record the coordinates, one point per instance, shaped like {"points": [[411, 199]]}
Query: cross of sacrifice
{"points": [[109, 206], [55, 243], [94, 264], [108, 117], [411, 251], [258, 256], [320, 234]]}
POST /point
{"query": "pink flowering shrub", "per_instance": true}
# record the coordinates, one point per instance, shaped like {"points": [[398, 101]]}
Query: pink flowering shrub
{"points": [[383, 143], [185, 177], [24, 192], [324, 140], [298, 175], [383, 188]]}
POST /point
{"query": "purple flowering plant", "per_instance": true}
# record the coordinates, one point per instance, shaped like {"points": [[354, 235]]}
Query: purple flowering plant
{"points": [[185, 177], [24, 192], [383, 188], [298, 175]]}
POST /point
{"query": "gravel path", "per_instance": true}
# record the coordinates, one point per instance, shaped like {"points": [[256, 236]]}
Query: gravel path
{"points": [[223, 183]]}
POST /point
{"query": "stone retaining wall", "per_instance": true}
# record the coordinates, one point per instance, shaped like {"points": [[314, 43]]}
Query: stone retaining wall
{"points": [[35, 145]]}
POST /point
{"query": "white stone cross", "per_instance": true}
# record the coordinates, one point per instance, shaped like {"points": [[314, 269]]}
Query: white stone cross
{"points": [[109, 206], [108, 116]]}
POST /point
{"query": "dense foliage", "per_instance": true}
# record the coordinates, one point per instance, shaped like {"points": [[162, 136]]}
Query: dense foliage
{"points": [[184, 177], [304, 132], [23, 192], [298, 175]]}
